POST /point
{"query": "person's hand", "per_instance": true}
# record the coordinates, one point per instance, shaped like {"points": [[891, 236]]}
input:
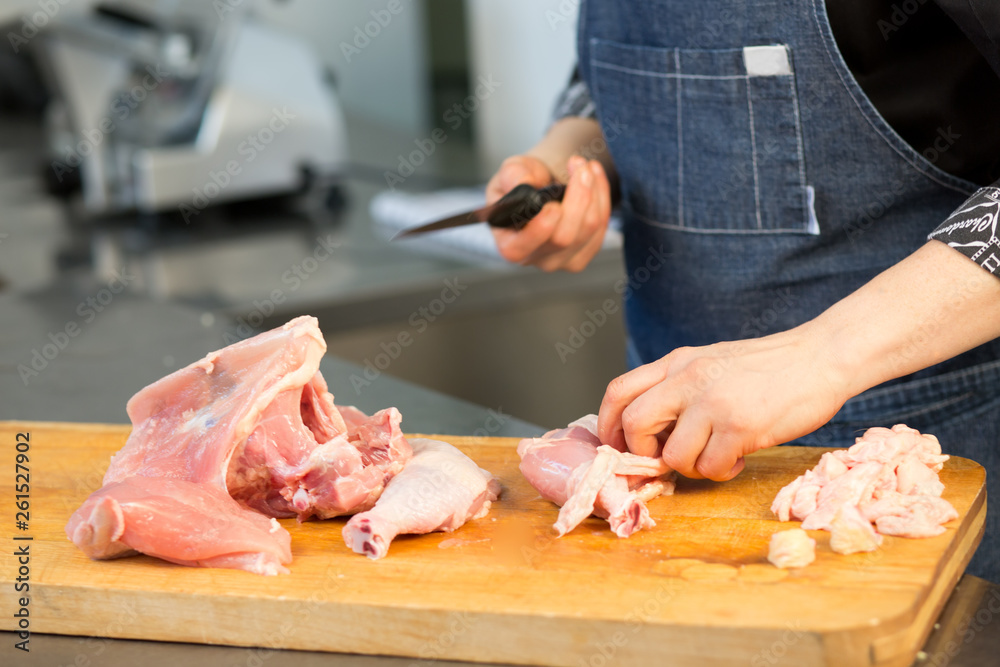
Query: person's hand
{"points": [[564, 235], [710, 406]]}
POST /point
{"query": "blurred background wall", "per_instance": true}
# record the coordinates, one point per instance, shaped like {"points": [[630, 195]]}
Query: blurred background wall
{"points": [[400, 69]]}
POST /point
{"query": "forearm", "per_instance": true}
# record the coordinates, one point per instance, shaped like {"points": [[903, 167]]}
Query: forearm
{"points": [[572, 136], [933, 305]]}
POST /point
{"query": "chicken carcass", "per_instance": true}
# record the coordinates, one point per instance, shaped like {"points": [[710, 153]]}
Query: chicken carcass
{"points": [[439, 489], [255, 422], [572, 468], [283, 470]]}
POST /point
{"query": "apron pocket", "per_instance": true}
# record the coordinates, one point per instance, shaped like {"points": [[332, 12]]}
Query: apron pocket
{"points": [[704, 140]]}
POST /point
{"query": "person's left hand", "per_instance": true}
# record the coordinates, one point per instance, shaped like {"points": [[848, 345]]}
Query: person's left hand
{"points": [[710, 406]]}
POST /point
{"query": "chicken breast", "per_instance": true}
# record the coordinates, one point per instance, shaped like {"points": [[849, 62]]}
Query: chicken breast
{"points": [[889, 477], [850, 532], [791, 548]]}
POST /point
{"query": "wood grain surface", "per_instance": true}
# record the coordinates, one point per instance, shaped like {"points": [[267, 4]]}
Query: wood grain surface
{"points": [[695, 590]]}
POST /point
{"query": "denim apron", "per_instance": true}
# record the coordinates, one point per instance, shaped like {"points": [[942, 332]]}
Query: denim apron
{"points": [[755, 168]]}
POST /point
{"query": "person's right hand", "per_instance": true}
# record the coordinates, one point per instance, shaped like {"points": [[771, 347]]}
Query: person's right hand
{"points": [[564, 235]]}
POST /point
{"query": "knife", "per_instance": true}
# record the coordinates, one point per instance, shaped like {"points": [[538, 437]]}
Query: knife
{"points": [[512, 211]]}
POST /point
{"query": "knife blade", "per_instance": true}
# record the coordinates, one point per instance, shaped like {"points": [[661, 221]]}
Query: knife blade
{"points": [[512, 211]]}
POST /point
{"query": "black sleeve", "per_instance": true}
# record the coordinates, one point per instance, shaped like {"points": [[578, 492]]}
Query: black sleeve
{"points": [[972, 228]]}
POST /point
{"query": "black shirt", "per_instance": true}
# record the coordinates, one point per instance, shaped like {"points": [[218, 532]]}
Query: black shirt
{"points": [[927, 66]]}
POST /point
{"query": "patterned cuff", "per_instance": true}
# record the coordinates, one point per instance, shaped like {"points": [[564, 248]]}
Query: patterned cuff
{"points": [[972, 229], [574, 100]]}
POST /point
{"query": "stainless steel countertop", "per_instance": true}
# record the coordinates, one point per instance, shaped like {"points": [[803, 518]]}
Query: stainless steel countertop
{"points": [[134, 341]]}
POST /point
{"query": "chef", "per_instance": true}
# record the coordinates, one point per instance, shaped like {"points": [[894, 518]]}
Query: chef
{"points": [[822, 179]]}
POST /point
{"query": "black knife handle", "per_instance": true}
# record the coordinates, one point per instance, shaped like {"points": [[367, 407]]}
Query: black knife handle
{"points": [[524, 202]]}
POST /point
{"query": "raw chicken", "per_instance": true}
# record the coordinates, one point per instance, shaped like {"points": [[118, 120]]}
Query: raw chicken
{"points": [[196, 524], [352, 416], [889, 477], [855, 485], [255, 422], [349, 473], [571, 468], [186, 425], [439, 489], [791, 548], [905, 515], [282, 471], [850, 532]]}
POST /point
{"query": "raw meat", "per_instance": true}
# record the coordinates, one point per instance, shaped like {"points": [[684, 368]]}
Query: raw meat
{"points": [[850, 532], [791, 548], [282, 471], [196, 524], [905, 515], [571, 468], [186, 425], [252, 422], [352, 416], [855, 485], [439, 489], [889, 477]]}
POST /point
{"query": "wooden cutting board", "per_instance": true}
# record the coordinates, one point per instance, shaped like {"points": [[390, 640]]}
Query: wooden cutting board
{"points": [[696, 589]]}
